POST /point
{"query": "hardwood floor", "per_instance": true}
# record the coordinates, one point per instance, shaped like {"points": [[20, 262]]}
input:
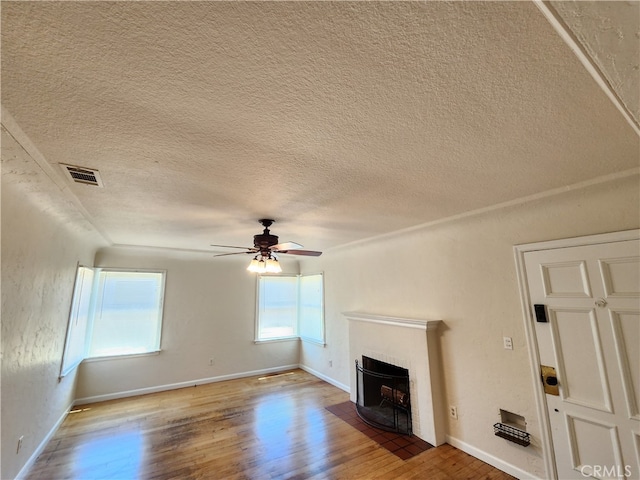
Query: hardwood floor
{"points": [[254, 428]]}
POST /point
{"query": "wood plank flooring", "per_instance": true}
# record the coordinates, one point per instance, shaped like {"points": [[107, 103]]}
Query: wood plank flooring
{"points": [[273, 427]]}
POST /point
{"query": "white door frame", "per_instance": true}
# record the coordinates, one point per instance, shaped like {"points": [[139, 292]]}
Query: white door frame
{"points": [[529, 326]]}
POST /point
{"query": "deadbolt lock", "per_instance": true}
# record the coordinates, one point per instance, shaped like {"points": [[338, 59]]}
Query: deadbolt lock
{"points": [[549, 380]]}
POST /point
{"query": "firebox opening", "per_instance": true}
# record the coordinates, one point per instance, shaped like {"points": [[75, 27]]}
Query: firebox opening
{"points": [[383, 395]]}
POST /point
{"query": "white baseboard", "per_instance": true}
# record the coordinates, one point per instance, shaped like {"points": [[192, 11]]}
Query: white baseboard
{"points": [[490, 459], [41, 446], [330, 380], [174, 386]]}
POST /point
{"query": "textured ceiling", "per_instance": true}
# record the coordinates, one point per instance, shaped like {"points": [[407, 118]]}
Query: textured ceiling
{"points": [[340, 120], [609, 33]]}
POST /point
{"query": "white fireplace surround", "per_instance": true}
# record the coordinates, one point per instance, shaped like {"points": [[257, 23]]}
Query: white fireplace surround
{"points": [[408, 343]]}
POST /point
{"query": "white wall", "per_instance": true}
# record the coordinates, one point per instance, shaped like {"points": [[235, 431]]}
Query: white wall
{"points": [[463, 272], [209, 311], [40, 251]]}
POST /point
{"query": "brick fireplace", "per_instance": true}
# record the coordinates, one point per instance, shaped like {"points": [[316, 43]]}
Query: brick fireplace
{"points": [[412, 344]]}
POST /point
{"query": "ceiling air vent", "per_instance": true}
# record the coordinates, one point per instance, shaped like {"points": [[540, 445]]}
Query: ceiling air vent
{"points": [[83, 175]]}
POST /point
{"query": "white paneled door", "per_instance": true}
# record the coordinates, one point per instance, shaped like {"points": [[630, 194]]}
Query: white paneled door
{"points": [[587, 325]]}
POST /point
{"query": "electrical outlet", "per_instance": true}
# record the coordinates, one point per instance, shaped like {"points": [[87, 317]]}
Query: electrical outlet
{"points": [[508, 343], [19, 444], [211, 362], [331, 363], [453, 412]]}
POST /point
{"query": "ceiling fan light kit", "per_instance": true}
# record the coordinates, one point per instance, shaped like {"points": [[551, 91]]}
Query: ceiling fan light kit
{"points": [[268, 265], [264, 245]]}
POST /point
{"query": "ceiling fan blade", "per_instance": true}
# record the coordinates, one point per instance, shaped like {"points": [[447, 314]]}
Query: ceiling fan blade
{"points": [[231, 246], [286, 246], [308, 253], [234, 253]]}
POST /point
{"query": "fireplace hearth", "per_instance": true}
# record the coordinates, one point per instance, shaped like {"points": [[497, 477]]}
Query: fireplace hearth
{"points": [[382, 395]]}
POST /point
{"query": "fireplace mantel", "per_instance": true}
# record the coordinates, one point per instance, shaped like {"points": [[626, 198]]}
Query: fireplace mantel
{"points": [[396, 321]]}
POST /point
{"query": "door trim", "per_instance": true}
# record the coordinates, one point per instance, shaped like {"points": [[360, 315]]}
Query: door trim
{"points": [[529, 326]]}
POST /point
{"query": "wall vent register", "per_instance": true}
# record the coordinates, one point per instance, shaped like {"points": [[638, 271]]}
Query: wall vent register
{"points": [[86, 176]]}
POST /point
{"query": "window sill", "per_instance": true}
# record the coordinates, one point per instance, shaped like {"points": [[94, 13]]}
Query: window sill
{"points": [[274, 340], [315, 342], [119, 357]]}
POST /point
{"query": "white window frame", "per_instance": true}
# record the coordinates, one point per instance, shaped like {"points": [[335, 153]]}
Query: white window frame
{"points": [[297, 335], [96, 302], [259, 298], [81, 315], [301, 330], [75, 344]]}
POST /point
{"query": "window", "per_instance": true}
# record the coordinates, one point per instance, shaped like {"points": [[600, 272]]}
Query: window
{"points": [[113, 312], [290, 306], [128, 313], [277, 307], [75, 342], [311, 308]]}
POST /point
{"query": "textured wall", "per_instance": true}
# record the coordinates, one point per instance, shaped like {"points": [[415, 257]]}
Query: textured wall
{"points": [[209, 311], [39, 256], [463, 272]]}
